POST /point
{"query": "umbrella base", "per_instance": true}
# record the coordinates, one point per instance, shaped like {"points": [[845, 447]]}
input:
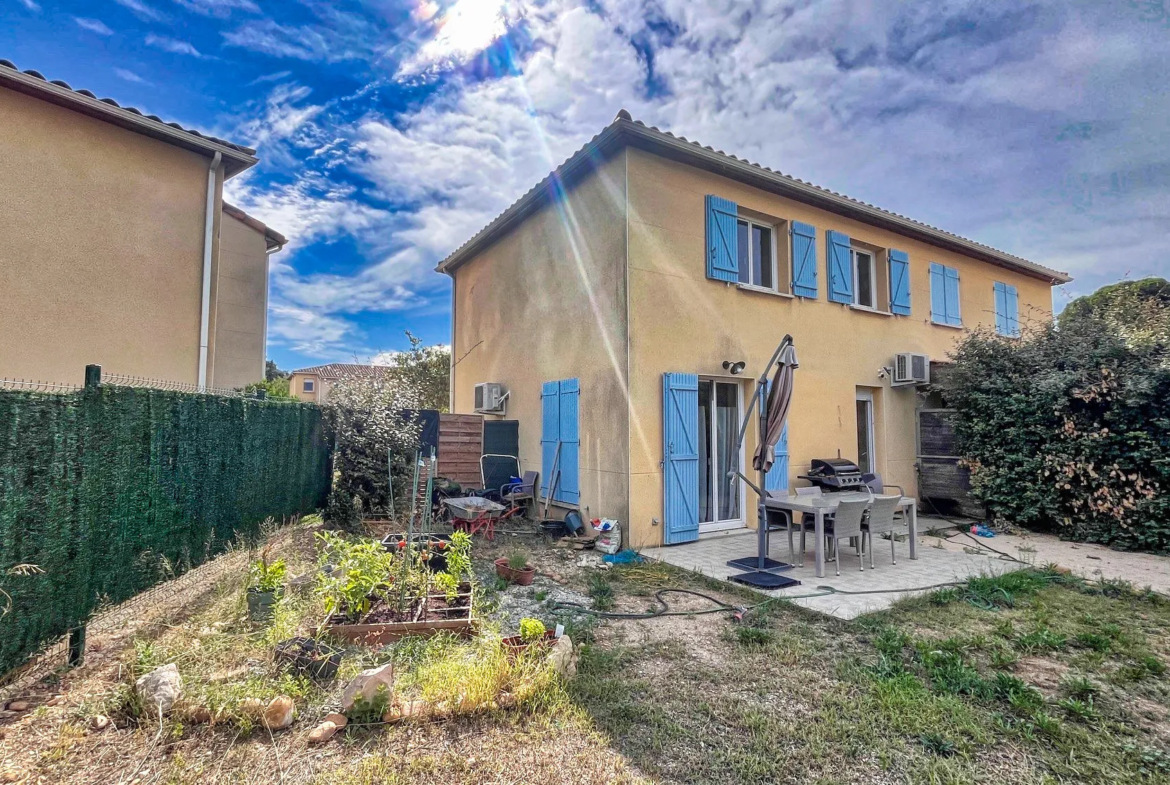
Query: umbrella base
{"points": [[753, 563], [764, 580]]}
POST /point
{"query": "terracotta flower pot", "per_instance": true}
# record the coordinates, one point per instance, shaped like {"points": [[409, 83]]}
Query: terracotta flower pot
{"points": [[519, 577]]}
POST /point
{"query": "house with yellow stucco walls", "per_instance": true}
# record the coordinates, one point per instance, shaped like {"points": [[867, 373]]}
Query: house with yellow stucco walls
{"points": [[116, 245], [641, 286]]}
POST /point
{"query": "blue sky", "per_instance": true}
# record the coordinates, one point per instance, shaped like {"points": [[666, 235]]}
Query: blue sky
{"points": [[390, 131]]}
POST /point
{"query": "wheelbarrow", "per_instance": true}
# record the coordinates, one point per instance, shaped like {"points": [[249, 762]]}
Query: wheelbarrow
{"points": [[475, 513]]}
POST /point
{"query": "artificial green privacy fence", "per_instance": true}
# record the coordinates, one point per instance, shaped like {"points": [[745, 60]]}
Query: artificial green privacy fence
{"points": [[112, 489]]}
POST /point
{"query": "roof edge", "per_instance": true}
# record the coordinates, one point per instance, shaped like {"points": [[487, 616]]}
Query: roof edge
{"points": [[272, 238], [624, 131], [234, 158]]}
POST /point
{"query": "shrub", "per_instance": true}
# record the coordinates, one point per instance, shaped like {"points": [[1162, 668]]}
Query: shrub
{"points": [[1065, 430], [531, 630]]}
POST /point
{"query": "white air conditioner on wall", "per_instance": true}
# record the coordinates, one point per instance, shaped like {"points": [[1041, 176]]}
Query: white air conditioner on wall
{"points": [[490, 398], [910, 368]]}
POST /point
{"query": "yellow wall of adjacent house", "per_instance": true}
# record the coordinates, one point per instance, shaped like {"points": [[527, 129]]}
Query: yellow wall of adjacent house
{"points": [[681, 321], [548, 302], [240, 290], [101, 247], [296, 387]]}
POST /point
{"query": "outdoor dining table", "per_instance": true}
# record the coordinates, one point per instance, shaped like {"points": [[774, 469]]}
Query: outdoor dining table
{"points": [[826, 504]]}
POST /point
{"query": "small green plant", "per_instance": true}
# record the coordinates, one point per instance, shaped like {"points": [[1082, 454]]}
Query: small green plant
{"points": [[1081, 710], [447, 584], [753, 637], [1003, 657], [459, 556], [1042, 639], [1046, 723], [366, 710], [352, 573], [1094, 641], [891, 641], [601, 592], [517, 560], [939, 745], [531, 630], [541, 595], [1079, 687], [265, 575]]}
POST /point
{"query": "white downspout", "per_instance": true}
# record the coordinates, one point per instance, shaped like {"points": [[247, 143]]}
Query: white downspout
{"points": [[205, 312]]}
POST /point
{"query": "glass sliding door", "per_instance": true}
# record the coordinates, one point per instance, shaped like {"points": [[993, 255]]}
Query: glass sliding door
{"points": [[720, 495], [865, 457]]}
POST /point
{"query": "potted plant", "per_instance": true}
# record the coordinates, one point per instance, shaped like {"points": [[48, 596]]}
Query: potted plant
{"points": [[516, 569], [265, 581], [532, 633]]}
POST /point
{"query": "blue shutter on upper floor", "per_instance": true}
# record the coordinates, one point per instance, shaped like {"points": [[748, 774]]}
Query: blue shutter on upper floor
{"points": [[840, 264], [1001, 309], [550, 432], [722, 240], [899, 282], [680, 461], [954, 315], [777, 477], [569, 490], [1013, 311], [804, 260], [938, 294]]}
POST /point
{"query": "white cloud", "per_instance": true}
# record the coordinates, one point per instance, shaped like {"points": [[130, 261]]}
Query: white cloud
{"points": [[172, 45], [30, 5], [129, 76], [219, 8], [951, 115], [93, 25], [142, 10]]}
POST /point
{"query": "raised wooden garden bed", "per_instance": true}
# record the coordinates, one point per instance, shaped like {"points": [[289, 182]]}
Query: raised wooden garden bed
{"points": [[385, 624]]}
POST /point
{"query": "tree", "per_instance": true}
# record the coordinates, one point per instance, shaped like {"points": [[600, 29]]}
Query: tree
{"points": [[1137, 311], [426, 370], [272, 372]]}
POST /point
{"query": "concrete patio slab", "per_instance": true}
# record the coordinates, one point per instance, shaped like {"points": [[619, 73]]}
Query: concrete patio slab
{"points": [[888, 581]]}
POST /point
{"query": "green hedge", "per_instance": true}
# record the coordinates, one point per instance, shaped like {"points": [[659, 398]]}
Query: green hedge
{"points": [[113, 489]]}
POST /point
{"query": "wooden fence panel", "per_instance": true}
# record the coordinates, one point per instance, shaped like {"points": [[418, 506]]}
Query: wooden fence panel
{"points": [[460, 446]]}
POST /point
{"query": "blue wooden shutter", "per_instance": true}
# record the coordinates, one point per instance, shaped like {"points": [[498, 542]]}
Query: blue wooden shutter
{"points": [[804, 260], [899, 282], [722, 242], [938, 294], [569, 490], [680, 464], [840, 268], [550, 432], [1013, 311], [954, 316], [1001, 309], [777, 477]]}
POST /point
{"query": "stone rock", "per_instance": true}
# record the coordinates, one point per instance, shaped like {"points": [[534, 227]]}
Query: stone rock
{"points": [[99, 722], [56, 700], [18, 706], [366, 684], [1062, 570], [323, 732], [563, 658], [405, 711], [340, 720], [279, 714], [160, 688]]}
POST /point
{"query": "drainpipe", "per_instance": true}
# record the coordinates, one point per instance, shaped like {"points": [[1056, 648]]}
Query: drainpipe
{"points": [[205, 312], [267, 271]]}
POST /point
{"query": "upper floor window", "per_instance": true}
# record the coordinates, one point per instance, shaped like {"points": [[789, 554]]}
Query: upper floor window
{"points": [[307, 385], [1007, 310], [756, 250], [864, 278], [944, 295]]}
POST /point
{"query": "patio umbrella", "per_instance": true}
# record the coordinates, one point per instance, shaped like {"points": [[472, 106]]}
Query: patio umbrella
{"points": [[774, 402]]}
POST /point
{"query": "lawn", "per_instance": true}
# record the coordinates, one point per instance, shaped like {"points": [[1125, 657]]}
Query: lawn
{"points": [[1033, 677]]}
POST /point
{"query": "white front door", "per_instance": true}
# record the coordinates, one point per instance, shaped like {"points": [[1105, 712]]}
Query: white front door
{"points": [[865, 457], [721, 497]]}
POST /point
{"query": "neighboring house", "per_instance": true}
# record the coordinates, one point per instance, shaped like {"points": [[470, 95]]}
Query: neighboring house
{"points": [[116, 246], [613, 300], [313, 384]]}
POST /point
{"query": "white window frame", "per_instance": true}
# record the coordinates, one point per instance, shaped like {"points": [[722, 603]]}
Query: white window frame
{"points": [[730, 523], [853, 255], [308, 385], [867, 397], [775, 287]]}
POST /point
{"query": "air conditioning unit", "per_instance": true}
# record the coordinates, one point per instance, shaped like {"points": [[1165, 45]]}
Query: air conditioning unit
{"points": [[910, 368], [490, 398]]}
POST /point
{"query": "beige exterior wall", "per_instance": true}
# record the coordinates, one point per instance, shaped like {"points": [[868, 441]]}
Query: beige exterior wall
{"points": [[680, 321], [240, 292], [296, 385], [548, 302], [101, 251]]}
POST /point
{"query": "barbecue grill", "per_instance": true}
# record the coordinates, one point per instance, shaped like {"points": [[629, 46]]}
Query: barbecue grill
{"points": [[835, 474]]}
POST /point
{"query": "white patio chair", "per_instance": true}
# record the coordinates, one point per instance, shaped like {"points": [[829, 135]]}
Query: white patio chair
{"points": [[846, 525], [879, 521]]}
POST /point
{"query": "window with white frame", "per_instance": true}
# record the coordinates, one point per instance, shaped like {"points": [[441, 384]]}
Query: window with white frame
{"points": [[757, 254], [864, 278], [307, 386]]}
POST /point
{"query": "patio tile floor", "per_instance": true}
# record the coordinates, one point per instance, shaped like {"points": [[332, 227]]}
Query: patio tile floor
{"points": [[709, 555]]}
